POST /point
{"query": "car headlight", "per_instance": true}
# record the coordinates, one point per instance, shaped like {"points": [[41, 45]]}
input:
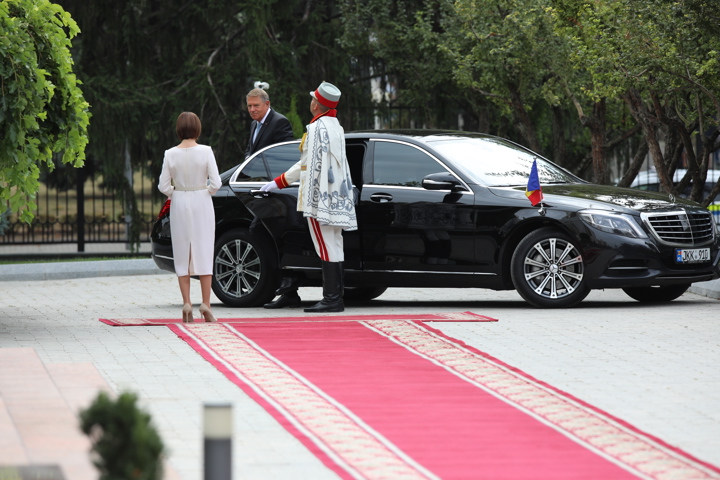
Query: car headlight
{"points": [[617, 223]]}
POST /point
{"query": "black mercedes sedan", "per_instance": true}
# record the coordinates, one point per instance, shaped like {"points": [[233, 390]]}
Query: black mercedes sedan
{"points": [[446, 209]]}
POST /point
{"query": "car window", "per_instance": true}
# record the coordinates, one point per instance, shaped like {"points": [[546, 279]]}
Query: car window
{"points": [[355, 154], [401, 165], [497, 162], [270, 163], [254, 171], [282, 157]]}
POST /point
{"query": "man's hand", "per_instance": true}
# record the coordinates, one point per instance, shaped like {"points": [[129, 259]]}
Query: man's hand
{"points": [[269, 187]]}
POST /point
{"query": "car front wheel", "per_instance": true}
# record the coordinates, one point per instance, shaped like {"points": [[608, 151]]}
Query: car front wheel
{"points": [[548, 270], [656, 294], [244, 270]]}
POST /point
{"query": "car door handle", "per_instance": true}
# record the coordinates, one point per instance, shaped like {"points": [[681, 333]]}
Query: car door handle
{"points": [[259, 193], [381, 197]]}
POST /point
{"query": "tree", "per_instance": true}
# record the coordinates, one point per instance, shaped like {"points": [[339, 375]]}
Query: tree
{"points": [[42, 110], [493, 59], [386, 41], [660, 58]]}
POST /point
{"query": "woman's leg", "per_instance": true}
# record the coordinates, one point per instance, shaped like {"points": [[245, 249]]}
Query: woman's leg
{"points": [[206, 287], [205, 310], [184, 282]]}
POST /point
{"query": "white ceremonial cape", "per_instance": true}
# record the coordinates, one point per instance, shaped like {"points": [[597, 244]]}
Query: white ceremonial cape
{"points": [[326, 192]]}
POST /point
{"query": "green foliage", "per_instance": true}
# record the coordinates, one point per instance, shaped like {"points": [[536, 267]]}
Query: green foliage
{"points": [[660, 58], [42, 109], [294, 119], [125, 444], [394, 41], [143, 62], [494, 60]]}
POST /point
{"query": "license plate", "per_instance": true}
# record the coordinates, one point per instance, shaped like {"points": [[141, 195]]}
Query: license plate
{"points": [[692, 255]]}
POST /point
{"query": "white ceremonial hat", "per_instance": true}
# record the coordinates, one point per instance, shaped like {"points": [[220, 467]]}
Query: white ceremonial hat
{"points": [[327, 94]]}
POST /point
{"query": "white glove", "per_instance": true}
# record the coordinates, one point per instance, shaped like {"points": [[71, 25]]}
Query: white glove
{"points": [[269, 187]]}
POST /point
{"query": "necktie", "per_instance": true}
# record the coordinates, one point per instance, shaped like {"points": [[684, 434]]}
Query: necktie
{"points": [[257, 130]]}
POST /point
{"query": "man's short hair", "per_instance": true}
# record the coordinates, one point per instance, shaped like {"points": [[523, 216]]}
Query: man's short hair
{"points": [[188, 126], [258, 92]]}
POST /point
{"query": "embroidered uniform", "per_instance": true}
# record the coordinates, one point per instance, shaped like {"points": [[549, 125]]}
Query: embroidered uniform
{"points": [[325, 197]]}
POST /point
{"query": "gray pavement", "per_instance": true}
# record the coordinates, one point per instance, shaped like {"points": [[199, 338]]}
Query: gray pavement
{"points": [[655, 367]]}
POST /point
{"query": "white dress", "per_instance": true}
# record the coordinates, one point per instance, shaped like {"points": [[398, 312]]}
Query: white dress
{"points": [[184, 179]]}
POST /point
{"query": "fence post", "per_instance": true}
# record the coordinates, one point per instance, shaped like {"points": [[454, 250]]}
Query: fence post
{"points": [[80, 209]]}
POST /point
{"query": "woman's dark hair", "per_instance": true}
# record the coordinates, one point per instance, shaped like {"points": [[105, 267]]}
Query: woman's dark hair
{"points": [[188, 126]]}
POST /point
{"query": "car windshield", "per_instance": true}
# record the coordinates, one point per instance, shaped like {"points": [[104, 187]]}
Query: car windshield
{"points": [[498, 163]]}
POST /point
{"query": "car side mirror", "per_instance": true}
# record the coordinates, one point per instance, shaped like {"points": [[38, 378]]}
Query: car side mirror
{"points": [[442, 181]]}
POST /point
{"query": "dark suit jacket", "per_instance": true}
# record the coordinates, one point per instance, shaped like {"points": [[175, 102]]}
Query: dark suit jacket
{"points": [[276, 129]]}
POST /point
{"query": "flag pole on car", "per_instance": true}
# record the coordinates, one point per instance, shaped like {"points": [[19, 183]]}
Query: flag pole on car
{"points": [[533, 190]]}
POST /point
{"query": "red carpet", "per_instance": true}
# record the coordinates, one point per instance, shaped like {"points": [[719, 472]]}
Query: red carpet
{"points": [[398, 399], [429, 317]]}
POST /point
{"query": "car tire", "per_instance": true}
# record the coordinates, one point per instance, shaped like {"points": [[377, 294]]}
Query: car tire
{"points": [[656, 294], [244, 269], [362, 294], [548, 270]]}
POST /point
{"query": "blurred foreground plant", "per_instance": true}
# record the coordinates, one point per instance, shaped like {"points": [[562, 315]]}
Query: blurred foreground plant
{"points": [[125, 445]]}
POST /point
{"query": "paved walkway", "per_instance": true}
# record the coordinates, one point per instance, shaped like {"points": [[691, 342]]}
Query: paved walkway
{"points": [[656, 367]]}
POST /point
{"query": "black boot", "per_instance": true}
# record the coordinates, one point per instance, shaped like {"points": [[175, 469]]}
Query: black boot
{"points": [[332, 289], [289, 283], [291, 300]]}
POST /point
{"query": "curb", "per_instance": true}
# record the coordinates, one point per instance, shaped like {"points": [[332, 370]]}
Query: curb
{"points": [[708, 289], [70, 270]]}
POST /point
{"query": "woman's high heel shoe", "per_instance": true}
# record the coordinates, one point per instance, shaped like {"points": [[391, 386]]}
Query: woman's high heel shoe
{"points": [[187, 314], [207, 313]]}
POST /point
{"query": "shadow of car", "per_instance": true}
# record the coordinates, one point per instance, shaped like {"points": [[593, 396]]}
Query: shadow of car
{"points": [[447, 209]]}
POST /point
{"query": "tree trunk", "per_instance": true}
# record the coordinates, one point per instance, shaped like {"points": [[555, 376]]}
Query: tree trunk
{"points": [[596, 124], [559, 146], [635, 165], [642, 116], [522, 120]]}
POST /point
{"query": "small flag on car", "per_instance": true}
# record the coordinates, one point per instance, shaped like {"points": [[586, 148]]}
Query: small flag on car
{"points": [[534, 191]]}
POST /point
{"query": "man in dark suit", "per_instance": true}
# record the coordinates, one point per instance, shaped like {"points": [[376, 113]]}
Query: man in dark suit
{"points": [[268, 126]]}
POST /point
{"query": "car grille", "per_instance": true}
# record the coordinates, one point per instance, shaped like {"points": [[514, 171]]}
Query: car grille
{"points": [[682, 228]]}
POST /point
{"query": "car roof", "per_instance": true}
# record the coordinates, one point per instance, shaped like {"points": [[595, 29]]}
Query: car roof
{"points": [[418, 134], [428, 136], [649, 177]]}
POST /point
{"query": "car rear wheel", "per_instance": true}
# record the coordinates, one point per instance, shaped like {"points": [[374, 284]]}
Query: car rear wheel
{"points": [[656, 294], [548, 270], [244, 270], [362, 294]]}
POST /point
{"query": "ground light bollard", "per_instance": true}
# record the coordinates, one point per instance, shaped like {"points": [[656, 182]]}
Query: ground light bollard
{"points": [[217, 430]]}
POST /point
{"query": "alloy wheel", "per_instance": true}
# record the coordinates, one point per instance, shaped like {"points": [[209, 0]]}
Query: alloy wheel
{"points": [[553, 268], [237, 268]]}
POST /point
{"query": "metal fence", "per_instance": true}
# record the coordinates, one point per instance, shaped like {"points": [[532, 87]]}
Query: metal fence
{"points": [[88, 213]]}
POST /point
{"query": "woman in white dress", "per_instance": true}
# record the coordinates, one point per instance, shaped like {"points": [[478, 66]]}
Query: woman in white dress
{"points": [[184, 178]]}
